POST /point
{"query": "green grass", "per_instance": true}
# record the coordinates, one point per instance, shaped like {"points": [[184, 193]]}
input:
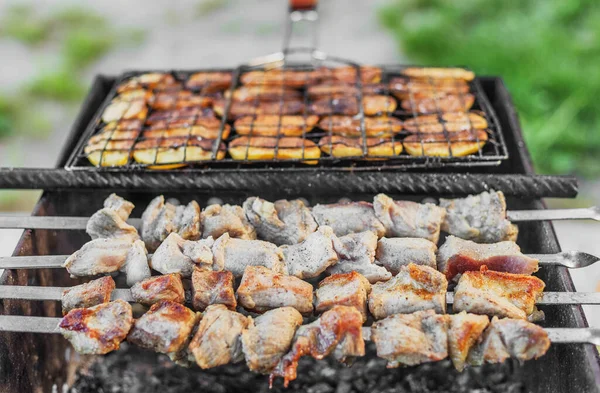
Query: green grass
{"points": [[548, 52], [62, 85]]}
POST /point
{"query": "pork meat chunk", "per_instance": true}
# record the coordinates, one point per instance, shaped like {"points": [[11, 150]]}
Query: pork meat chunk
{"points": [[344, 289], [87, 295], [163, 218], [155, 289], [261, 290], [110, 221], [409, 219], [414, 288], [481, 218], [98, 256], [346, 218], [220, 219], [311, 257], [120, 205], [235, 255], [464, 332], [395, 252], [177, 255], [356, 253], [210, 287], [282, 222], [99, 329]]}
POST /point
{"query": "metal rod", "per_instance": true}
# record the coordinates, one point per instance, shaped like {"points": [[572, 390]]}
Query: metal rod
{"points": [[590, 213]]}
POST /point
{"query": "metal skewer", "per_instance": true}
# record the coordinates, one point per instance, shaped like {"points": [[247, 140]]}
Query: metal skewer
{"points": [[22, 324]]}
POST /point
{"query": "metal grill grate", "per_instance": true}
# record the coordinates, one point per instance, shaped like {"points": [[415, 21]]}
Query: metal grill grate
{"points": [[362, 152]]}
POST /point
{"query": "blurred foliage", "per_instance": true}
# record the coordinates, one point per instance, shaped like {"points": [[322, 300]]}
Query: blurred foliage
{"points": [[21, 23], [547, 51], [207, 7], [60, 85]]}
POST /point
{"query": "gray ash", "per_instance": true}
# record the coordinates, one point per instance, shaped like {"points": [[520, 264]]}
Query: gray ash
{"points": [[134, 370]]}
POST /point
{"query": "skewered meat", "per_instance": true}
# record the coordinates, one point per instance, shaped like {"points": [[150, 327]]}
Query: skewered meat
{"points": [[437, 102], [338, 331], [451, 122], [176, 152], [346, 218], [341, 146], [457, 256], [269, 337], [97, 257], [408, 340], [409, 219], [275, 125], [464, 332], [209, 82], [497, 294], [150, 80], [211, 287], [506, 338], [97, 330], [217, 340], [264, 93], [155, 289], [414, 288], [165, 328], [177, 255], [235, 255], [345, 289], [379, 126], [266, 148], [393, 253], [109, 222], [281, 222], [87, 295], [348, 106], [239, 109], [220, 219], [160, 219], [311, 257], [136, 266], [403, 87], [356, 253], [288, 78], [481, 218], [456, 144], [261, 290], [439, 73]]}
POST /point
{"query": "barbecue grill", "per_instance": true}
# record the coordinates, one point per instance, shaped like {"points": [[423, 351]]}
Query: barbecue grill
{"points": [[35, 362]]}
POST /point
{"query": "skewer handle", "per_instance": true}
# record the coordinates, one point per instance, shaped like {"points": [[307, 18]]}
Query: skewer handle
{"points": [[49, 222], [590, 213], [570, 335]]}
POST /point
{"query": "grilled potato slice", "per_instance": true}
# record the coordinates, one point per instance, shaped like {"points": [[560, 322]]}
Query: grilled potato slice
{"points": [[203, 127], [124, 110], [289, 78], [439, 102], [339, 89], [152, 80], [452, 122], [403, 87], [349, 126], [341, 146], [181, 115], [124, 125], [439, 73], [263, 148], [176, 152], [209, 82], [372, 105], [107, 152], [113, 135], [240, 109], [134, 95], [462, 143], [368, 74], [264, 93], [166, 100], [274, 125]]}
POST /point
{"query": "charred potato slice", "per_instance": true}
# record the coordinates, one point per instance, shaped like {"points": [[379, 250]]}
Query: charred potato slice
{"points": [[113, 135], [451, 122], [462, 143], [125, 110], [124, 125], [372, 105], [264, 93], [289, 78], [205, 127], [341, 146], [338, 89], [349, 126], [439, 103], [209, 82], [274, 125], [403, 87], [169, 116], [152, 80], [106, 152], [133, 95], [179, 99], [263, 148], [439, 73], [169, 153], [368, 74], [240, 109], [375, 105]]}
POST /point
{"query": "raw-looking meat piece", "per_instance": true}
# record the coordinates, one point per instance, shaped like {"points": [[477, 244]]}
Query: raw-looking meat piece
{"points": [[161, 219], [210, 287], [98, 256], [261, 290], [217, 340], [457, 256], [497, 294], [97, 330], [121, 206], [220, 219], [409, 219], [282, 222], [109, 222], [338, 331], [506, 338], [311, 257], [346, 218], [87, 295], [393, 253], [136, 266], [155, 289], [481, 218], [269, 337], [176, 255], [187, 221], [235, 255], [411, 339], [345, 289], [414, 288], [165, 328], [464, 332], [356, 253]]}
